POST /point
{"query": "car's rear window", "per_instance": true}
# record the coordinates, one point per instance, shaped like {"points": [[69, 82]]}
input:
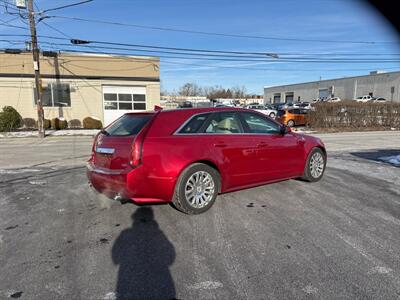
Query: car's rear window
{"points": [[128, 125], [194, 124]]}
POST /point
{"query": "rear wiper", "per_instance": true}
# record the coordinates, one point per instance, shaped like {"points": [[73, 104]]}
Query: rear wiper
{"points": [[105, 132]]}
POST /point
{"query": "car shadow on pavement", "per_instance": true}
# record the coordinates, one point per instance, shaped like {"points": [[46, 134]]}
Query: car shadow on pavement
{"points": [[144, 255], [377, 155]]}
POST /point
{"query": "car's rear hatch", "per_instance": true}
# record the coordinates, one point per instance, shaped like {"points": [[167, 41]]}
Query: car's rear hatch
{"points": [[115, 146]]}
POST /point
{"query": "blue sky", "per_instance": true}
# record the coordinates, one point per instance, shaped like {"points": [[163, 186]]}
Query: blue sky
{"points": [[350, 20]]}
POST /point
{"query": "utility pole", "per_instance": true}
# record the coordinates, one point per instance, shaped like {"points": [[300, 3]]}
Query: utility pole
{"points": [[36, 67]]}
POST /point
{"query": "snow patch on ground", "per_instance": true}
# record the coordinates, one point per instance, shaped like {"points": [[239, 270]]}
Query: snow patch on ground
{"points": [[207, 285], [380, 270], [17, 171], [309, 289], [110, 296], [302, 130], [38, 182], [394, 160], [66, 132]]}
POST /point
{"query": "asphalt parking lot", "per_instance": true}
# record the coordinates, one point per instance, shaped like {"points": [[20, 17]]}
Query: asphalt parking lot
{"points": [[335, 239]]}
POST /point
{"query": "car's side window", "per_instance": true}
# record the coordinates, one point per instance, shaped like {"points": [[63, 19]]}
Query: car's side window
{"points": [[224, 123], [296, 111], [303, 111], [194, 124], [259, 124]]}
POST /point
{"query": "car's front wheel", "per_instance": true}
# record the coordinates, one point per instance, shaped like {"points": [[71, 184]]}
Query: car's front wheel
{"points": [[196, 189], [315, 165], [272, 115]]}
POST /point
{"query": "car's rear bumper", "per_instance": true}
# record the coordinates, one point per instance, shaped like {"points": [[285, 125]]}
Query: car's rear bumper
{"points": [[131, 183], [109, 182]]}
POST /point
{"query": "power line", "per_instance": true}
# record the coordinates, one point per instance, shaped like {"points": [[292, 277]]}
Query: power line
{"points": [[262, 54], [66, 6], [238, 58], [6, 24], [208, 66], [221, 34]]}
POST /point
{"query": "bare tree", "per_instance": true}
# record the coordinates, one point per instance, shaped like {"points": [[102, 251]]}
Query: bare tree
{"points": [[190, 90], [239, 92]]}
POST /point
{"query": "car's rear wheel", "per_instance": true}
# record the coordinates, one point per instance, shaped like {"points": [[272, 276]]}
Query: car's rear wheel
{"points": [[272, 115], [315, 166], [290, 123], [196, 189]]}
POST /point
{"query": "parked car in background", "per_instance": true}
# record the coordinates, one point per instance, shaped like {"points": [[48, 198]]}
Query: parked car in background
{"points": [[365, 98], [334, 99], [305, 105], [266, 110], [292, 116], [189, 156], [285, 106], [185, 104], [380, 99], [275, 105], [228, 102]]}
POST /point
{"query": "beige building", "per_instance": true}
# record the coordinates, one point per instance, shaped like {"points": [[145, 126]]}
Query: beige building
{"points": [[80, 85]]}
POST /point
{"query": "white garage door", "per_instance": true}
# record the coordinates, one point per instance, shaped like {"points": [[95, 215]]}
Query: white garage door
{"points": [[118, 100]]}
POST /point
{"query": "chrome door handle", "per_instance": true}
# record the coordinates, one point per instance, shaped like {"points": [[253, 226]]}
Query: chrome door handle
{"points": [[220, 145], [262, 144]]}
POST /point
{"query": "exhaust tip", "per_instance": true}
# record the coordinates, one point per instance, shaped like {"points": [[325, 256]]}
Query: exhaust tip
{"points": [[117, 197]]}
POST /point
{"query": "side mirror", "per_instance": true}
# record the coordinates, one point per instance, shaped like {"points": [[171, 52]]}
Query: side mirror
{"points": [[285, 129]]}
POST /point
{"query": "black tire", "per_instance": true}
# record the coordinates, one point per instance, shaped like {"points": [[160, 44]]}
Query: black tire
{"points": [[180, 201], [272, 115], [290, 123], [308, 173]]}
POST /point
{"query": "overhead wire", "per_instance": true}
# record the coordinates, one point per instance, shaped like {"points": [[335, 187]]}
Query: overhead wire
{"points": [[189, 50], [221, 34], [66, 6]]}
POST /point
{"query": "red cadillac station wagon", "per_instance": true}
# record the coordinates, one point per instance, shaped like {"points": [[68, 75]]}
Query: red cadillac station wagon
{"points": [[189, 156]]}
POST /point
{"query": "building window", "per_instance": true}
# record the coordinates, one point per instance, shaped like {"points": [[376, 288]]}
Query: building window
{"points": [[289, 96], [55, 95], [114, 101], [277, 98]]}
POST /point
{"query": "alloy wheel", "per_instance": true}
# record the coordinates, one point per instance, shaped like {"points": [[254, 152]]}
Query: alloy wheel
{"points": [[317, 165], [199, 189]]}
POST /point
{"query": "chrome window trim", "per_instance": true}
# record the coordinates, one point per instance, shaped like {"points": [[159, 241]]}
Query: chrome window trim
{"points": [[227, 134]]}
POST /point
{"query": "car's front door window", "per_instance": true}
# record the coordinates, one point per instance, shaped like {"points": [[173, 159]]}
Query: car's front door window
{"points": [[255, 123]]}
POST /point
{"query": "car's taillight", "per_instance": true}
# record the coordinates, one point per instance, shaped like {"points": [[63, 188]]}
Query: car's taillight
{"points": [[136, 155], [137, 145], [92, 155]]}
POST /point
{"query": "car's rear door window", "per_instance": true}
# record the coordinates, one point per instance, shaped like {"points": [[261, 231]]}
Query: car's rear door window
{"points": [[129, 124], [254, 123], [296, 111], [194, 124], [223, 123]]}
